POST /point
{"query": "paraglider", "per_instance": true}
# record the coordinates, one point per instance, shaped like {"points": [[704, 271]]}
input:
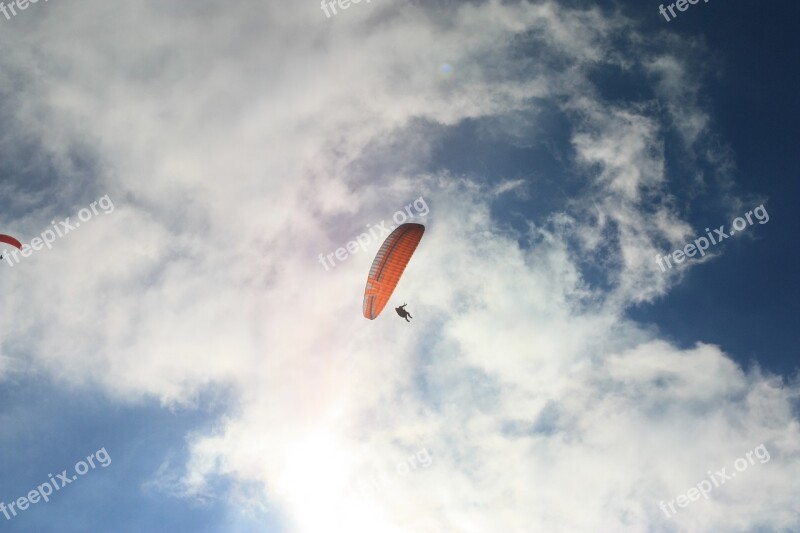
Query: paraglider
{"points": [[403, 313], [8, 239], [388, 267]]}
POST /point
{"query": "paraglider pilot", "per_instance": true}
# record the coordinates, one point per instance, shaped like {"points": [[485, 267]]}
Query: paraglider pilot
{"points": [[403, 313]]}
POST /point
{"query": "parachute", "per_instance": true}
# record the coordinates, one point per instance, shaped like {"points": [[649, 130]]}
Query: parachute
{"points": [[388, 267], [8, 239]]}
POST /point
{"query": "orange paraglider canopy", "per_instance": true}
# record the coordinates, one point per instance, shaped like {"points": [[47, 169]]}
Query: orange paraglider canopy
{"points": [[388, 266], [8, 239]]}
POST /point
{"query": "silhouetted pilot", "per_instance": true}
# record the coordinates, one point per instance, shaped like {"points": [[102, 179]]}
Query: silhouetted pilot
{"points": [[403, 313]]}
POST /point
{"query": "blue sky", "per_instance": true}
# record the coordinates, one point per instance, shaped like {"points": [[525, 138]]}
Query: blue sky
{"points": [[59, 427], [748, 304], [189, 330]]}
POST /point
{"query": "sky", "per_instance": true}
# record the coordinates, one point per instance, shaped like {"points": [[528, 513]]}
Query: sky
{"points": [[181, 349]]}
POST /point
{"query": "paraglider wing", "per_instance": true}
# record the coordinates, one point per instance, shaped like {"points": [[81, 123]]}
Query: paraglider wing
{"points": [[388, 266], [8, 239]]}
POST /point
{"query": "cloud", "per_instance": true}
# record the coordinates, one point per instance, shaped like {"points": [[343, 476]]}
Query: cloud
{"points": [[239, 141]]}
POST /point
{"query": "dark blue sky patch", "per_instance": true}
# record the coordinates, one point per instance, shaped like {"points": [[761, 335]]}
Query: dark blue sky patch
{"points": [[746, 300]]}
